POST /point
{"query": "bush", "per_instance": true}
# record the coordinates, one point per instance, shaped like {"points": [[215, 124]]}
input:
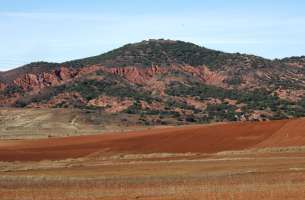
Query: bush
{"points": [[12, 89]]}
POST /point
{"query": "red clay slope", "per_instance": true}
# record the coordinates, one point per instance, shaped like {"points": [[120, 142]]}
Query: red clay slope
{"points": [[203, 139]]}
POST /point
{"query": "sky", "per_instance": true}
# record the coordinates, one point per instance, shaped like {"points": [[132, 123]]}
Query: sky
{"points": [[61, 30]]}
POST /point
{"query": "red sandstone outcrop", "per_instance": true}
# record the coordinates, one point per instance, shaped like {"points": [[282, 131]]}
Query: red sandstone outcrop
{"points": [[135, 74], [35, 82], [89, 70], [145, 76], [200, 105], [155, 79], [68, 99], [291, 95], [111, 104], [206, 75], [148, 77], [151, 106], [2, 86], [64, 73]]}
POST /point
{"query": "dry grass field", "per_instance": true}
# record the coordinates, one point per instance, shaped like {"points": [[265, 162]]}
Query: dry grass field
{"points": [[31, 123], [258, 160], [158, 176]]}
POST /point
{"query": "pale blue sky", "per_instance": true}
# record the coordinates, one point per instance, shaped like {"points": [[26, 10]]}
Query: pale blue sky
{"points": [[60, 30]]}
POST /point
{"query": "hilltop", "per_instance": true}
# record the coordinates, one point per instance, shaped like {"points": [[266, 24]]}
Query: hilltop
{"points": [[164, 82]]}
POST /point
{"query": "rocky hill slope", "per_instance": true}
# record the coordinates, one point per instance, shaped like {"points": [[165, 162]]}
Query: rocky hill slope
{"points": [[164, 79]]}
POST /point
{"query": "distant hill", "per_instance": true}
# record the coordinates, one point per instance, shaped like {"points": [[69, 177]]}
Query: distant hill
{"points": [[164, 80]]}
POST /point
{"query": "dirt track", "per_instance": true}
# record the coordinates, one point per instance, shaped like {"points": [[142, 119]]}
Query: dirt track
{"points": [[201, 139]]}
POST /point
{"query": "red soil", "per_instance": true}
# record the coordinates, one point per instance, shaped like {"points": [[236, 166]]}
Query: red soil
{"points": [[200, 138]]}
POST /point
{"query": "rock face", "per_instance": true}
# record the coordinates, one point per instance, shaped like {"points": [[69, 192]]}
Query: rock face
{"points": [[2, 86], [111, 104], [164, 77], [36, 82], [151, 106], [65, 100], [290, 95], [206, 75], [136, 74], [144, 75]]}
